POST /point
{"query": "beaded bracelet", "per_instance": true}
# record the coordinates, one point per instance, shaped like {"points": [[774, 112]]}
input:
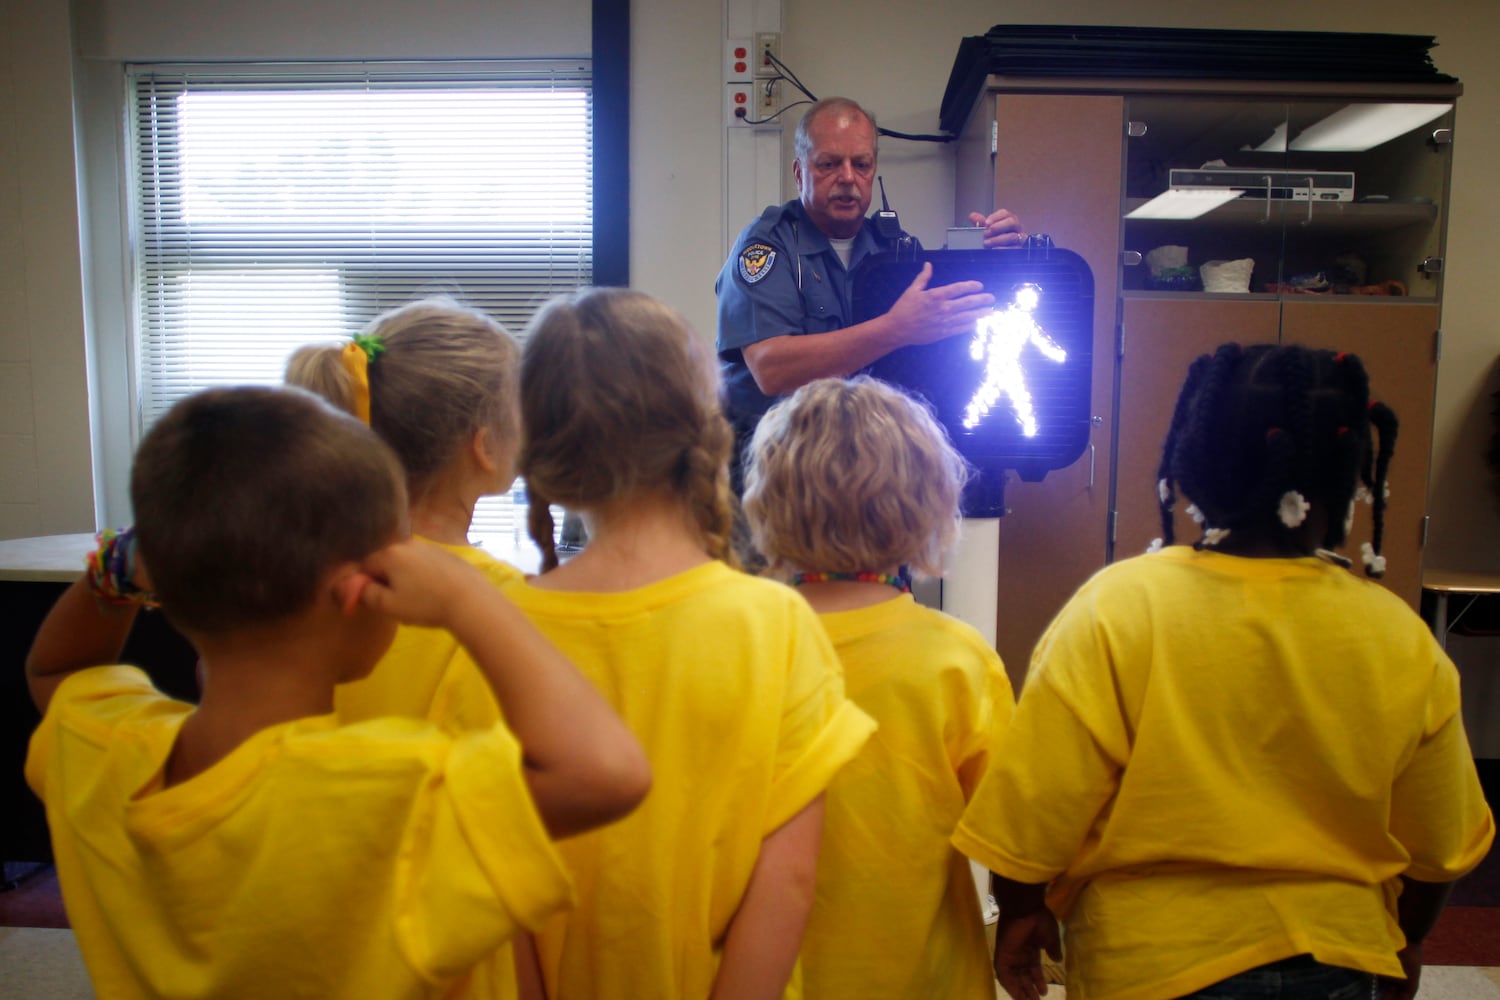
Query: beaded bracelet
{"points": [[110, 567]]}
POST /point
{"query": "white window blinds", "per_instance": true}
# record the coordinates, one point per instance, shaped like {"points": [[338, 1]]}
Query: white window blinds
{"points": [[280, 205]]}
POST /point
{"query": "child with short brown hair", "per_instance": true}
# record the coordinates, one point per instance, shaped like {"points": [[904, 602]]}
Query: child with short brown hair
{"points": [[250, 846]]}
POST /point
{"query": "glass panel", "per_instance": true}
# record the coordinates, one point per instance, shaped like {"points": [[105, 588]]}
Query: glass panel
{"points": [[1374, 242], [1323, 196], [1210, 169]]}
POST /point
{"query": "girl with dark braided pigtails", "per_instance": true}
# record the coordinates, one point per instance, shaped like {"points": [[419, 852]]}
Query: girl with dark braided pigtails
{"points": [[728, 679], [1273, 446], [1237, 768]]}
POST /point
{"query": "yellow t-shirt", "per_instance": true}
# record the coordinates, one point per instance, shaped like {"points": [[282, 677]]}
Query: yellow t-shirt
{"points": [[426, 674], [897, 914], [1225, 762], [730, 684], [382, 860]]}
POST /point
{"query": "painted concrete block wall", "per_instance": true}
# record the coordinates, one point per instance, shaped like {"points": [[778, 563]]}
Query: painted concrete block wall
{"points": [[46, 481]]}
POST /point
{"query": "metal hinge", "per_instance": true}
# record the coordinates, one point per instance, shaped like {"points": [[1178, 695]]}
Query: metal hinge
{"points": [[1437, 345], [1120, 341], [994, 138], [1426, 518], [1114, 526]]}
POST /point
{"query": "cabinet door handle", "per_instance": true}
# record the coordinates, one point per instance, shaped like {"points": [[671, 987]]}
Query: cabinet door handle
{"points": [[1091, 465], [1268, 200]]}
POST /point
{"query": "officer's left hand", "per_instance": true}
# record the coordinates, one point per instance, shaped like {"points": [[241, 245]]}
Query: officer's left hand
{"points": [[1001, 228]]}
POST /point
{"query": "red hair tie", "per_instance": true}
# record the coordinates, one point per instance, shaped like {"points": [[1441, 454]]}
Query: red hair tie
{"points": [[1272, 433], [1340, 358]]}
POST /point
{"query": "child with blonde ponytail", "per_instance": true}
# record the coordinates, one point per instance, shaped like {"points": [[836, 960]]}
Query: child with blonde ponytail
{"points": [[728, 680], [438, 382]]}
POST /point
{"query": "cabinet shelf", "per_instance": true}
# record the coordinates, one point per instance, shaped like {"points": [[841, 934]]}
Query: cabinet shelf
{"points": [[1354, 218]]}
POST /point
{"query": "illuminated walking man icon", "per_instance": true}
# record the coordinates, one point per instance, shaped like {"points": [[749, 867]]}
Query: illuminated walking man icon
{"points": [[998, 341]]}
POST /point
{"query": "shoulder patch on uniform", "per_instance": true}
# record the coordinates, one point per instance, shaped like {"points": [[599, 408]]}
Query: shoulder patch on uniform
{"points": [[756, 261]]}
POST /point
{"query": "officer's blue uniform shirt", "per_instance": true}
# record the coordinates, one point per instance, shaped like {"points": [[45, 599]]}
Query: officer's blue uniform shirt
{"points": [[783, 277]]}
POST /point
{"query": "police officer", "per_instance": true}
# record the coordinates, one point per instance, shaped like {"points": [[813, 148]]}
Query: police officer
{"points": [[785, 294]]}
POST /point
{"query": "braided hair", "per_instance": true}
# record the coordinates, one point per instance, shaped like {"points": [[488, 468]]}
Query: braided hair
{"points": [[1262, 428], [618, 395]]}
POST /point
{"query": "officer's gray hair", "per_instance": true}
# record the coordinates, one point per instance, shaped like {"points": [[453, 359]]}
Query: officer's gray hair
{"points": [[803, 141]]}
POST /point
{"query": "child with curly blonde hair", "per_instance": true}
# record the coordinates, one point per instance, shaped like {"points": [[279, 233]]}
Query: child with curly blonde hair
{"points": [[847, 484]]}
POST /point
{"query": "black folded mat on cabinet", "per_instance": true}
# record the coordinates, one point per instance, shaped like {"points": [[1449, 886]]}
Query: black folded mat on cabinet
{"points": [[1049, 50]]}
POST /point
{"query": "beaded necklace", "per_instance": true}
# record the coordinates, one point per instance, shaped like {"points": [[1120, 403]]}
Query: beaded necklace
{"points": [[899, 581]]}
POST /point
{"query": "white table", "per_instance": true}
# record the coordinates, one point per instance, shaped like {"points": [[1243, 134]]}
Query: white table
{"points": [[59, 558], [1447, 584], [47, 559]]}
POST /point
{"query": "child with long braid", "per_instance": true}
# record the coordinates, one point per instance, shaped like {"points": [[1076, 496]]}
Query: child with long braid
{"points": [[846, 482], [1236, 762], [728, 680]]}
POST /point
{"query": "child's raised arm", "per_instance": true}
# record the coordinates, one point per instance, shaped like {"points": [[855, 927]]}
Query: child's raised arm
{"points": [[79, 632], [90, 622], [765, 933], [583, 765]]}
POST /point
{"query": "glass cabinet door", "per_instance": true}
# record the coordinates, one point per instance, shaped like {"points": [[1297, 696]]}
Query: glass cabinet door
{"points": [[1386, 237], [1306, 197]]}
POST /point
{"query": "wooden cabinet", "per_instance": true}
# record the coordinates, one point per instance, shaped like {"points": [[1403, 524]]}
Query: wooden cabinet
{"points": [[1088, 161]]}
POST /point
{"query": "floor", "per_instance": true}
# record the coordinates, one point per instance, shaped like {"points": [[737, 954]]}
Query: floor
{"points": [[43, 963], [40, 963]]}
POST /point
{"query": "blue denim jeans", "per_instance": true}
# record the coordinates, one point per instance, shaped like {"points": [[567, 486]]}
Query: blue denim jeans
{"points": [[1299, 978]]}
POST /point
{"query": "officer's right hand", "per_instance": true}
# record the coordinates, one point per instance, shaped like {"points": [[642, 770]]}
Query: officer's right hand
{"points": [[924, 315]]}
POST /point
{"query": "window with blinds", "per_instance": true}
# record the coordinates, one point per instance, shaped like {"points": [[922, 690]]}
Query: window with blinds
{"points": [[276, 206]]}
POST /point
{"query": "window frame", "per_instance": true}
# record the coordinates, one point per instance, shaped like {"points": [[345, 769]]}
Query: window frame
{"points": [[398, 75]]}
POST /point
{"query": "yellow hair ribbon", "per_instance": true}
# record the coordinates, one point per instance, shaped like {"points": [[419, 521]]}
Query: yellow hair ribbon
{"points": [[356, 361]]}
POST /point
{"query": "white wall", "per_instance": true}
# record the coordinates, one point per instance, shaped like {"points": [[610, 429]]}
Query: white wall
{"points": [[676, 153], [181, 30]]}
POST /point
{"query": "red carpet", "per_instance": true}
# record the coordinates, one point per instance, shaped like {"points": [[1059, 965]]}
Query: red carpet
{"points": [[34, 899], [1465, 935]]}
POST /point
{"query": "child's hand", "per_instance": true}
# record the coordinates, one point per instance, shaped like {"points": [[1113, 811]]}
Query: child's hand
{"points": [[417, 583], [1019, 944]]}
